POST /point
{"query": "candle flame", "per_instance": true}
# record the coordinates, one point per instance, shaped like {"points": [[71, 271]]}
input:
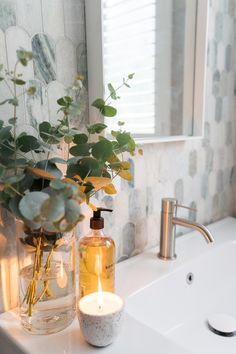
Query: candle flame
{"points": [[61, 276], [99, 271]]}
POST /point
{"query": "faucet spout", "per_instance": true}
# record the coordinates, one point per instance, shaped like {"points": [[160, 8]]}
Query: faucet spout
{"points": [[196, 226]]}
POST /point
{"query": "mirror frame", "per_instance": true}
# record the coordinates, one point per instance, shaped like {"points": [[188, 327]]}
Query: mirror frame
{"points": [[94, 35]]}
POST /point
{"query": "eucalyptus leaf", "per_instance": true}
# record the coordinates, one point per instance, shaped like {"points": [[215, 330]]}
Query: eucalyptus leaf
{"points": [[102, 150], [96, 128], [18, 81], [49, 167], [72, 213], [90, 163], [123, 138], [80, 139], [99, 103], [57, 184], [64, 101], [80, 150], [108, 111], [57, 160], [30, 205], [53, 209], [28, 143], [5, 133]]}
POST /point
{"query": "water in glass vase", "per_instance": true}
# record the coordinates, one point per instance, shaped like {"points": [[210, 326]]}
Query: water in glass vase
{"points": [[54, 305]]}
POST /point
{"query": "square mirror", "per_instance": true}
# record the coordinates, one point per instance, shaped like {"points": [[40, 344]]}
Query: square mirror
{"points": [[164, 44]]}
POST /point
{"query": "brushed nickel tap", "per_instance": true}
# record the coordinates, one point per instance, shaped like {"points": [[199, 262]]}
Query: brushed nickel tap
{"points": [[169, 220]]}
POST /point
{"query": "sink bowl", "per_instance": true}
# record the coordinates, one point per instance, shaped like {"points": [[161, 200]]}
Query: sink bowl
{"points": [[185, 292]]}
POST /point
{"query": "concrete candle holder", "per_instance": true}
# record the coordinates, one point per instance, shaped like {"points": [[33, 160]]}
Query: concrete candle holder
{"points": [[100, 324]]}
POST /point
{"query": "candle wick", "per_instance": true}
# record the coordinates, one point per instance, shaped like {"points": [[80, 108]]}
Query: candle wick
{"points": [[99, 307]]}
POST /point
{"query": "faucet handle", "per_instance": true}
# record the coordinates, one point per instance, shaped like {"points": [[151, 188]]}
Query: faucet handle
{"points": [[185, 207], [170, 205]]}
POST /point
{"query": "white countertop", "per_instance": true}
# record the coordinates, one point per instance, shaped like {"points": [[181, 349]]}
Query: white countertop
{"points": [[135, 337]]}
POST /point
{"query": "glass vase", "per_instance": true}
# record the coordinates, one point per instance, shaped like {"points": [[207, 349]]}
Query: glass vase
{"points": [[46, 279]]}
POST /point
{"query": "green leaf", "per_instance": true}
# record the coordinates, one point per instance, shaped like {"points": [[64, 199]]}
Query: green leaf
{"points": [[5, 133], [130, 76], [57, 160], [18, 81], [12, 120], [72, 214], [64, 101], [31, 90], [96, 128], [57, 184], [102, 150], [13, 101], [28, 143], [123, 138], [46, 133], [3, 102], [78, 170], [80, 150], [24, 56], [98, 103], [112, 92], [68, 139], [53, 209], [80, 139], [30, 205], [49, 167], [90, 163], [108, 111]]}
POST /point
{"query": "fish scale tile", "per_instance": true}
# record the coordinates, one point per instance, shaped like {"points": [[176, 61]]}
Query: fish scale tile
{"points": [[17, 37], [3, 55], [7, 14], [74, 17], [66, 61], [128, 237], [37, 105], [29, 16], [55, 90], [81, 53], [43, 49], [53, 18]]}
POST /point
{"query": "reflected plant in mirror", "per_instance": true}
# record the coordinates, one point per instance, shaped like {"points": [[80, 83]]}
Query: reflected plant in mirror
{"points": [[164, 42], [44, 190]]}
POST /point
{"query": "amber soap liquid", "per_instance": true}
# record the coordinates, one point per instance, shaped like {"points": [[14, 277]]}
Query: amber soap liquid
{"points": [[96, 263]]}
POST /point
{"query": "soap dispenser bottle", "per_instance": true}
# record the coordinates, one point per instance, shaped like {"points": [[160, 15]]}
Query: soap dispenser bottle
{"points": [[96, 258]]}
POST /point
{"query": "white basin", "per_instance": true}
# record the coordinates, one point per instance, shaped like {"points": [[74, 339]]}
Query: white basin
{"points": [[179, 310], [165, 314]]}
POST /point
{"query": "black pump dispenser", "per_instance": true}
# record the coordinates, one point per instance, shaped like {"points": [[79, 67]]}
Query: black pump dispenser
{"points": [[97, 221]]}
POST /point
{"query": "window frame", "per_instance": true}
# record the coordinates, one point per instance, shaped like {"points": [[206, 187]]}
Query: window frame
{"points": [[94, 36]]}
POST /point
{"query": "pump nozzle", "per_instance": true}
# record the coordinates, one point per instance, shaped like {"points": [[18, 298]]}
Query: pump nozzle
{"points": [[97, 222]]}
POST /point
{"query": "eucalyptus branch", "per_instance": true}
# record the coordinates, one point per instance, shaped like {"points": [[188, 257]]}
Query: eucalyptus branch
{"points": [[14, 112], [118, 88]]}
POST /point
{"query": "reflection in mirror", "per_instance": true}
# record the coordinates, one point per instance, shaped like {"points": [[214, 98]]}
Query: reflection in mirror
{"points": [[161, 42], [156, 40]]}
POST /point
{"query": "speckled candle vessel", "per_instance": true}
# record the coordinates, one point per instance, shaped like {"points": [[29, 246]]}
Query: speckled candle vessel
{"points": [[100, 330]]}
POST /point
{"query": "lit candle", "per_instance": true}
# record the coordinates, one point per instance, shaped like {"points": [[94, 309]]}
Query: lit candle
{"points": [[100, 316]]}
